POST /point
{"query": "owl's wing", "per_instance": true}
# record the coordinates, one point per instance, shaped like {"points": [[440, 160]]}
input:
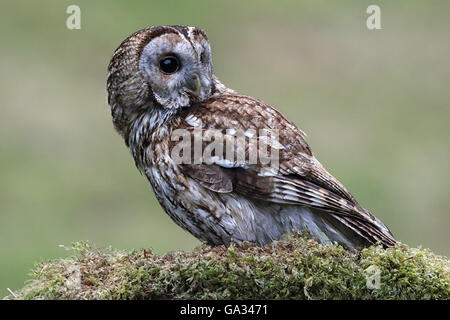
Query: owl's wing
{"points": [[300, 178]]}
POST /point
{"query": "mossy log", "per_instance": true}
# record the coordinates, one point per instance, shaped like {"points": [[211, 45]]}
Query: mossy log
{"points": [[294, 268]]}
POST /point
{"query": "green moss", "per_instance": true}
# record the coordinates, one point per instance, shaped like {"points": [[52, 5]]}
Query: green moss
{"points": [[295, 268]]}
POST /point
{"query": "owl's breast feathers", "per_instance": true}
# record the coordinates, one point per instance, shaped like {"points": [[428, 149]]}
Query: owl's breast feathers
{"points": [[298, 180]]}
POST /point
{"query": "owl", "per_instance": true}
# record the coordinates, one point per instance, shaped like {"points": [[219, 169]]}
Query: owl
{"points": [[160, 87]]}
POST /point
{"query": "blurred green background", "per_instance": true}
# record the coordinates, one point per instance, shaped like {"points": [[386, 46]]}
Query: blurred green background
{"points": [[375, 105]]}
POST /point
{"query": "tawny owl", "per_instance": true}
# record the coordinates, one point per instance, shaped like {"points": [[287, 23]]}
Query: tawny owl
{"points": [[161, 83]]}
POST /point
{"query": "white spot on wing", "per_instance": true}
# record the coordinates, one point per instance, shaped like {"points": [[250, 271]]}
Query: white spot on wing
{"points": [[271, 142], [193, 121]]}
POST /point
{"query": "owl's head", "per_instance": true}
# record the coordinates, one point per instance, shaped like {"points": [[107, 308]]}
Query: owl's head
{"points": [[165, 67]]}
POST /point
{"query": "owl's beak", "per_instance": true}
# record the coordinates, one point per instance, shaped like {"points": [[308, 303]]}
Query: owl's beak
{"points": [[194, 85]]}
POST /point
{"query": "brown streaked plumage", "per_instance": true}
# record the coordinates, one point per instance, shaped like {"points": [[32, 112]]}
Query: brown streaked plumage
{"points": [[160, 82]]}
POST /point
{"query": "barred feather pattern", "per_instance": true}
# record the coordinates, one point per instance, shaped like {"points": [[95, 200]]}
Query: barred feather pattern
{"points": [[228, 201]]}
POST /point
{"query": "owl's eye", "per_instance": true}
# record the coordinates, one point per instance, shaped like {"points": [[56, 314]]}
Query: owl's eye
{"points": [[169, 64]]}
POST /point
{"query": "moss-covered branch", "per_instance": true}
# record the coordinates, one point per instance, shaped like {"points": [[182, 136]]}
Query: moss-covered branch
{"points": [[297, 268]]}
